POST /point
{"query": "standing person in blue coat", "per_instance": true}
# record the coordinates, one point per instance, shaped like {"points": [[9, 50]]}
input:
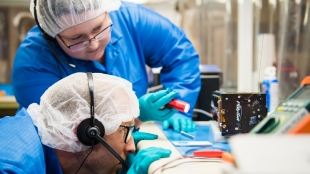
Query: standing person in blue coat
{"points": [[55, 136], [107, 36]]}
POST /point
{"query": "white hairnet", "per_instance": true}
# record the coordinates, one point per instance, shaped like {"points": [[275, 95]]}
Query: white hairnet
{"points": [[55, 16], [66, 103]]}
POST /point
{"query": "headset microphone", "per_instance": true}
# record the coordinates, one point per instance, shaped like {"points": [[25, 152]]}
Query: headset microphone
{"points": [[90, 131], [47, 37]]}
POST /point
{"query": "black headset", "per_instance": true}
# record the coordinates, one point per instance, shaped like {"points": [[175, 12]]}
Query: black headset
{"points": [[90, 127], [48, 38], [90, 131]]}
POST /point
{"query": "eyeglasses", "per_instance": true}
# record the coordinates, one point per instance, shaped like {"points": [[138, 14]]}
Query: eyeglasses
{"points": [[81, 45], [127, 133]]}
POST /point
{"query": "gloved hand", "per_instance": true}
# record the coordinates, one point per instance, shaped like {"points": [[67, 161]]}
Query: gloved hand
{"points": [[145, 157], [151, 105], [179, 123], [138, 136], [129, 160]]}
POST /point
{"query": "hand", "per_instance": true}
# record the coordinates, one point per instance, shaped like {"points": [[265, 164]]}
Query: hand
{"points": [[179, 123], [138, 136], [129, 160], [145, 157], [151, 106]]}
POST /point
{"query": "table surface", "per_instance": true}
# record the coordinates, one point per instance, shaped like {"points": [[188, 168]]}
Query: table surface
{"points": [[203, 133], [8, 102], [176, 163]]}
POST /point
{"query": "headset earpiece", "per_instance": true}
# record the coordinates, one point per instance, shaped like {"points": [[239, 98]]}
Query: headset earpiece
{"points": [[90, 127], [86, 133], [91, 131]]}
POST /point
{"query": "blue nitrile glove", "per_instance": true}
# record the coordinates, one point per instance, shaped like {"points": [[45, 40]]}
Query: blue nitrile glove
{"points": [[129, 160], [152, 105], [178, 123], [145, 157], [138, 136]]}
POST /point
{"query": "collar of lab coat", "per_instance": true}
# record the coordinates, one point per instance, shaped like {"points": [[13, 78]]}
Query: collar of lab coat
{"points": [[115, 35], [112, 50]]}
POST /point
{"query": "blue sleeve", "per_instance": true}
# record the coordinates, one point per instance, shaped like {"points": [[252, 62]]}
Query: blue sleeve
{"points": [[8, 168], [20, 146], [166, 45], [30, 90], [34, 70]]}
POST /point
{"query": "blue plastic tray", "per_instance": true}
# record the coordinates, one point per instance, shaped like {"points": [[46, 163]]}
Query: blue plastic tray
{"points": [[203, 133]]}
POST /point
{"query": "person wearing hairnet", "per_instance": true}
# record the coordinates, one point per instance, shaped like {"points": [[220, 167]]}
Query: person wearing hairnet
{"points": [[113, 37], [44, 138]]}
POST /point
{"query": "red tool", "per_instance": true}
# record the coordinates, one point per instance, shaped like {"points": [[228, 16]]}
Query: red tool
{"points": [[179, 105], [209, 153]]}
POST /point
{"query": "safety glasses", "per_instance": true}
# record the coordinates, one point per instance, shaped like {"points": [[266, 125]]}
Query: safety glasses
{"points": [[81, 45], [127, 133]]}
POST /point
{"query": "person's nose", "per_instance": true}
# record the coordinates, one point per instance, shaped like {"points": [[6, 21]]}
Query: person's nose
{"points": [[130, 146], [93, 44]]}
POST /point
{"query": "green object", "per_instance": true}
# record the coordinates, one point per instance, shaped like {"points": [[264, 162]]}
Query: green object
{"points": [[179, 123], [144, 158], [288, 114], [138, 136], [152, 105]]}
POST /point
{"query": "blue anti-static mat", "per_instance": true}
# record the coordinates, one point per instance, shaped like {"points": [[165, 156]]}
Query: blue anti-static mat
{"points": [[203, 133]]}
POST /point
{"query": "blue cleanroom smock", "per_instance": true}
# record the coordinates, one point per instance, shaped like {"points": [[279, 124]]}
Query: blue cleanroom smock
{"points": [[21, 150], [139, 37]]}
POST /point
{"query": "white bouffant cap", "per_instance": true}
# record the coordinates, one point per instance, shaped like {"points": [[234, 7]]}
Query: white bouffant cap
{"points": [[66, 103], [54, 16]]}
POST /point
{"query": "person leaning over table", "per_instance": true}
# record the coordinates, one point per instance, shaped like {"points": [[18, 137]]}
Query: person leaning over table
{"points": [[44, 137], [107, 36]]}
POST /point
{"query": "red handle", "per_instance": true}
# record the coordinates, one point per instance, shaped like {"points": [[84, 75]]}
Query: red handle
{"points": [[179, 105]]}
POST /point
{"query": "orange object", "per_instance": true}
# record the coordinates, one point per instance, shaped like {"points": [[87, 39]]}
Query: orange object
{"points": [[228, 157], [303, 127], [209, 153], [2, 93], [305, 81]]}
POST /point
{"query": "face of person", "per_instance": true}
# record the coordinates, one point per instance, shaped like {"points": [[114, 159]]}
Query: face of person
{"points": [[83, 32], [101, 160]]}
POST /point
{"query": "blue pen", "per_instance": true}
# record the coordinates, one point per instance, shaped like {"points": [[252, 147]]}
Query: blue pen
{"points": [[187, 135]]}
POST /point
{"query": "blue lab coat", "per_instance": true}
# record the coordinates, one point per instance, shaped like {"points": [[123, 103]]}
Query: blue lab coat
{"points": [[139, 37], [21, 150]]}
